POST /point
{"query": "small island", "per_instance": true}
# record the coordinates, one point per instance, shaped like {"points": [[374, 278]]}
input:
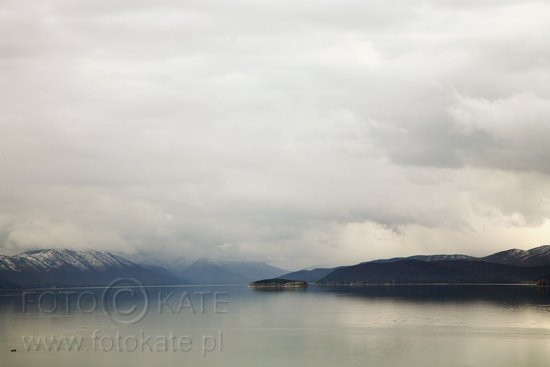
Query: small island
{"points": [[278, 284]]}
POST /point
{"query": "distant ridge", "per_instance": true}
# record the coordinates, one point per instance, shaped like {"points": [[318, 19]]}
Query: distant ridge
{"points": [[204, 271]]}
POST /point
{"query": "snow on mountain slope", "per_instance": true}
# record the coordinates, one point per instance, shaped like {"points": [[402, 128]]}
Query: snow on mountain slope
{"points": [[48, 260], [537, 256], [59, 267], [83, 260]]}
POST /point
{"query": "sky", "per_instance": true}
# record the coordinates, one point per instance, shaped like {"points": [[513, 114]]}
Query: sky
{"points": [[300, 133]]}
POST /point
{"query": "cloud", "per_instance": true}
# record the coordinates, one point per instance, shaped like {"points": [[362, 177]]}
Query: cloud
{"points": [[515, 127], [299, 133]]}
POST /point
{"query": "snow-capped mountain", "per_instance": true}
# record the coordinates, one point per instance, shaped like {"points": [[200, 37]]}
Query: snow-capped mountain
{"points": [[59, 267], [537, 256], [56, 259]]}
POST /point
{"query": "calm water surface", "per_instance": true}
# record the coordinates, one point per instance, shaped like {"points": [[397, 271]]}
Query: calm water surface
{"points": [[236, 326]]}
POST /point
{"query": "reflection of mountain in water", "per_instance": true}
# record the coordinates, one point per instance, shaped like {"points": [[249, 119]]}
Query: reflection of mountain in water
{"points": [[501, 294]]}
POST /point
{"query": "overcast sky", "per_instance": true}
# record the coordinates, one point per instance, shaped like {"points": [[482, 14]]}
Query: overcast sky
{"points": [[296, 132]]}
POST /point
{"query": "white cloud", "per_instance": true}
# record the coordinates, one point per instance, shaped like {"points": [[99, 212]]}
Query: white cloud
{"points": [[516, 130], [266, 130]]}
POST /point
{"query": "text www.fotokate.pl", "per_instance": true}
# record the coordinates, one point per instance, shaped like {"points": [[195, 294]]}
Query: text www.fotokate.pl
{"points": [[141, 341], [125, 302]]}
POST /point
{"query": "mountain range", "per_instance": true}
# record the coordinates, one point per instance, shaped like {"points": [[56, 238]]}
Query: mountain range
{"points": [[508, 266], [67, 268]]}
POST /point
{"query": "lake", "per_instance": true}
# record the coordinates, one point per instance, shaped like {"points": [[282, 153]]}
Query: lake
{"points": [[428, 325]]}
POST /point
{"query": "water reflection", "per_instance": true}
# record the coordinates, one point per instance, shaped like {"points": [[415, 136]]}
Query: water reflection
{"points": [[497, 294], [236, 326]]}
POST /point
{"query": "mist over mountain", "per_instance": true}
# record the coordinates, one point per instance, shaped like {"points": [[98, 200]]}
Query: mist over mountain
{"points": [[63, 268], [204, 271]]}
